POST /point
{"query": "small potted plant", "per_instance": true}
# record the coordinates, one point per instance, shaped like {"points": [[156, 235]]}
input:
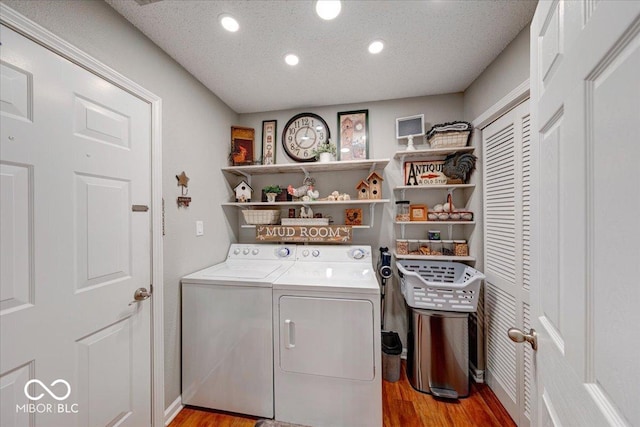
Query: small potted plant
{"points": [[325, 152], [272, 192]]}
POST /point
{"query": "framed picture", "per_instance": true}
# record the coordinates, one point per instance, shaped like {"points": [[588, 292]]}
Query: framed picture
{"points": [[353, 136], [242, 145], [353, 216], [269, 132], [418, 212]]}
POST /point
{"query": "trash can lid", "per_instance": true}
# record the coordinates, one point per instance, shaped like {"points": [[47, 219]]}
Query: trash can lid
{"points": [[391, 343]]}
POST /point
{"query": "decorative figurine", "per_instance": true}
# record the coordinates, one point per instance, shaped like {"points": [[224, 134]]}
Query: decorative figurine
{"points": [[375, 185], [243, 192], [363, 190]]}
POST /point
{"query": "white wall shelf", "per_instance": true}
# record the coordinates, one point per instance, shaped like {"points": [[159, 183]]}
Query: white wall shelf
{"points": [[434, 222], [247, 171], [430, 152], [433, 187], [435, 257], [312, 203], [352, 226]]}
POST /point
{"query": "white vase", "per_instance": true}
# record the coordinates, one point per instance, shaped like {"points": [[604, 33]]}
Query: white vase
{"points": [[326, 157], [271, 197]]}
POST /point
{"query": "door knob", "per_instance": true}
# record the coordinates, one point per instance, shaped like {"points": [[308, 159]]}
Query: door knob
{"points": [[517, 335], [140, 294]]}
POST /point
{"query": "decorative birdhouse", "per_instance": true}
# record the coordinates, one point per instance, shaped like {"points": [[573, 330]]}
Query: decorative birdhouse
{"points": [[363, 190], [243, 192], [375, 185]]}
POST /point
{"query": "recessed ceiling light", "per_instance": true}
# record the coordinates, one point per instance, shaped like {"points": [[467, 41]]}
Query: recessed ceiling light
{"points": [[328, 9], [376, 46], [291, 59], [229, 23]]}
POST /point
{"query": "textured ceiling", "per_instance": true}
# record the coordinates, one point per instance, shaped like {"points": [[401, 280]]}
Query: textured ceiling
{"points": [[431, 47]]}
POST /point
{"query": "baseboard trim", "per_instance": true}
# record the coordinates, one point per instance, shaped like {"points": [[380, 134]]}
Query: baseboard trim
{"points": [[173, 410]]}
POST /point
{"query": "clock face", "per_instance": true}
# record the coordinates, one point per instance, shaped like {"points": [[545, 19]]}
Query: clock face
{"points": [[302, 134]]}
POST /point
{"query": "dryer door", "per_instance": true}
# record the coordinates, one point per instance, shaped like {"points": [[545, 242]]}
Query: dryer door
{"points": [[327, 337]]}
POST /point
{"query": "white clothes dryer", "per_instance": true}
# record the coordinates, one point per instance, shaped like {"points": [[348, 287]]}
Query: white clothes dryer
{"points": [[326, 323], [227, 340]]}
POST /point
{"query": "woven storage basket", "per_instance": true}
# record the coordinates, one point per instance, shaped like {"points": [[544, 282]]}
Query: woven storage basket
{"points": [[437, 285], [261, 217], [449, 135], [449, 139]]}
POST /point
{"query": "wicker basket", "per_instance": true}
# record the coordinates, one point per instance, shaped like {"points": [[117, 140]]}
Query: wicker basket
{"points": [[449, 135], [261, 217], [449, 139]]}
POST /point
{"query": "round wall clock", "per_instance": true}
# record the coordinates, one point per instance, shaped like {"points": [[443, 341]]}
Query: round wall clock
{"points": [[303, 133]]}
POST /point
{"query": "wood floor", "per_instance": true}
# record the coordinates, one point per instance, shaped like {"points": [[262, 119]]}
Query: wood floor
{"points": [[402, 407]]}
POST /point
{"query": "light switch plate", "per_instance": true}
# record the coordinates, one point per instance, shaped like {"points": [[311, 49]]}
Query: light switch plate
{"points": [[199, 228]]}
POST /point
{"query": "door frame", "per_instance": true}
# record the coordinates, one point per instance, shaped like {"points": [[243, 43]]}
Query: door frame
{"points": [[47, 39]]}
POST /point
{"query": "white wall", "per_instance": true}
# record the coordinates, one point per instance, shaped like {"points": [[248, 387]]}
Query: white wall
{"points": [[195, 130], [503, 75]]}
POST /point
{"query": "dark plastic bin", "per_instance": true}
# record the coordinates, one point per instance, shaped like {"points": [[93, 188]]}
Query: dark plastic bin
{"points": [[391, 350]]}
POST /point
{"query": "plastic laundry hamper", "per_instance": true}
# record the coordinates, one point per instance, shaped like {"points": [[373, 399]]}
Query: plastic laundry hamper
{"points": [[440, 296]]}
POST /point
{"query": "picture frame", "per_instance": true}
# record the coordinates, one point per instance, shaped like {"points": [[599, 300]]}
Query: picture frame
{"points": [[242, 139], [353, 216], [353, 135], [269, 134], [418, 212]]}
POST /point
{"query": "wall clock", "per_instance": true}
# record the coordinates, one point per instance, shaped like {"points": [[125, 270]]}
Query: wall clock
{"points": [[303, 133]]}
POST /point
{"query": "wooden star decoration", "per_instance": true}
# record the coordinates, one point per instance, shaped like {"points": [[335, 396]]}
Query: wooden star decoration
{"points": [[183, 179]]}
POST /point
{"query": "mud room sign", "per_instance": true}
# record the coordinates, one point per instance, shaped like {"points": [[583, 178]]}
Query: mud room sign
{"points": [[427, 172], [304, 233]]}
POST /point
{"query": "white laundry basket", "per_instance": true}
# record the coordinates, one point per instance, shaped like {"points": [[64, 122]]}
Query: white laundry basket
{"points": [[437, 285]]}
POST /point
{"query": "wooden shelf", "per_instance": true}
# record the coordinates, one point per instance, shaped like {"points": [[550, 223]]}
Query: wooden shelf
{"points": [[370, 164], [314, 203], [433, 187], [436, 257], [430, 152], [434, 222]]}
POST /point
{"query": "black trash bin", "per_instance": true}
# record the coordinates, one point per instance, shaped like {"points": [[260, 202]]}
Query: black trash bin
{"points": [[391, 350]]}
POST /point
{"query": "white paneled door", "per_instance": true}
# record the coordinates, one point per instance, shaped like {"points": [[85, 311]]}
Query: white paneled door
{"points": [[506, 148], [585, 110], [75, 157]]}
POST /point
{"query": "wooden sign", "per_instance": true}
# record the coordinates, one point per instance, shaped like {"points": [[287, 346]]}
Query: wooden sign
{"points": [[427, 172], [304, 233]]}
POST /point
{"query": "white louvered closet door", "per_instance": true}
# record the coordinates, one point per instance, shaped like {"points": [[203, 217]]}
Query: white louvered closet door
{"points": [[506, 144]]}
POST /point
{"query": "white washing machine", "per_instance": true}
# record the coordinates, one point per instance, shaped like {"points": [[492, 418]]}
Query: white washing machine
{"points": [[227, 340], [326, 331]]}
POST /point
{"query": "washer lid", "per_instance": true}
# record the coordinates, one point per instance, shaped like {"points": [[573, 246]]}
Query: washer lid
{"points": [[250, 273], [330, 277]]}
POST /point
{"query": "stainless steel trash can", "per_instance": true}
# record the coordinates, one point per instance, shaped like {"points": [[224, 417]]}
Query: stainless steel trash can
{"points": [[438, 352]]}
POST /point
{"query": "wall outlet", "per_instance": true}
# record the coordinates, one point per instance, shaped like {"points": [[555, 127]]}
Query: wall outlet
{"points": [[199, 228]]}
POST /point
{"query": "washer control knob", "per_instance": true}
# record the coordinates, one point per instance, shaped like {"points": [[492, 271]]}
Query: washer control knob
{"points": [[315, 253], [255, 251], [245, 251], [283, 252], [305, 253], [236, 251], [357, 254]]}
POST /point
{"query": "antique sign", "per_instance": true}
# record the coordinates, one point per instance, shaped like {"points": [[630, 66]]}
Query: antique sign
{"points": [[424, 172], [304, 233]]}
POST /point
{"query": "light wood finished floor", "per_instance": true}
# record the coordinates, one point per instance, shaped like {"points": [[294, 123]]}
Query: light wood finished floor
{"points": [[402, 407]]}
